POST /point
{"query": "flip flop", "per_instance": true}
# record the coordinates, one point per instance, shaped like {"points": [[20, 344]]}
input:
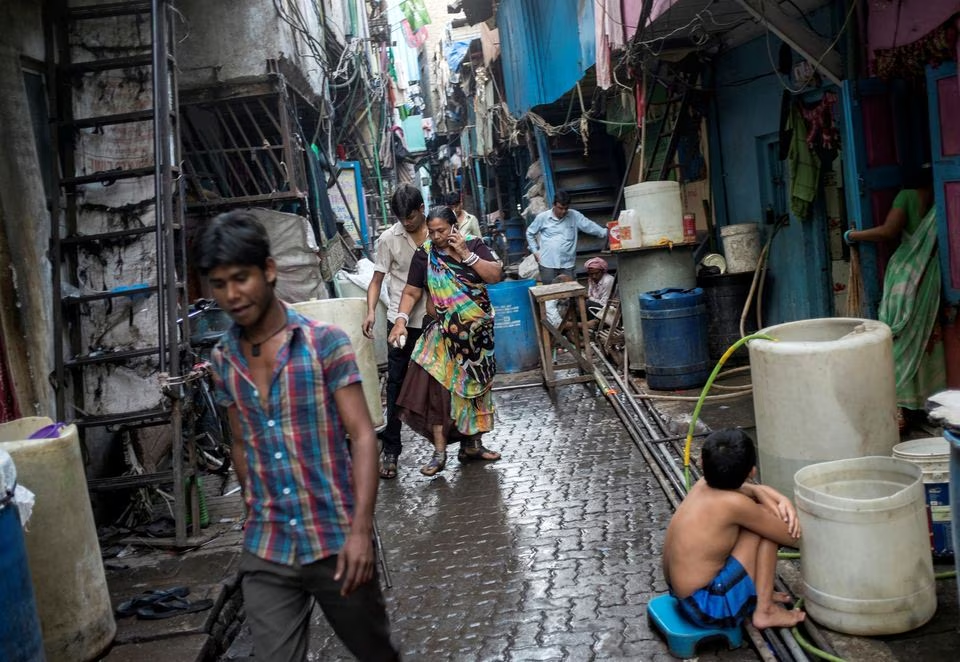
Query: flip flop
{"points": [[170, 607], [149, 597]]}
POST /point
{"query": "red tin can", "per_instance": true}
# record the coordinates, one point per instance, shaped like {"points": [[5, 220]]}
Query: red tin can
{"points": [[689, 227]]}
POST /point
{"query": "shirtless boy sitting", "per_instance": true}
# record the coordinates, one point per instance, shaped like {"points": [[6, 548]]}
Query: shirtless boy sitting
{"points": [[720, 552]]}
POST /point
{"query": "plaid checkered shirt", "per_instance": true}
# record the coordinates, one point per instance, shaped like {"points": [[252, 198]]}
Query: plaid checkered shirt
{"points": [[299, 491]]}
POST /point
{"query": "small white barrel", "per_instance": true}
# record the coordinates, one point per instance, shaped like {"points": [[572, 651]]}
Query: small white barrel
{"points": [[824, 390], [348, 314], [865, 552], [932, 455], [741, 246], [68, 577], [659, 211]]}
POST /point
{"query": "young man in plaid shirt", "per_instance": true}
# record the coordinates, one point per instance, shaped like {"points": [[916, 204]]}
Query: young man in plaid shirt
{"points": [[292, 392]]}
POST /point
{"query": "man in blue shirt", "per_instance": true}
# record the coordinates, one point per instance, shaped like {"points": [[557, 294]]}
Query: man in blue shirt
{"points": [[556, 247]]}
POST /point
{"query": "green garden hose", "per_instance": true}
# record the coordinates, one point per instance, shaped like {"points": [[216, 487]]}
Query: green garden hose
{"points": [[703, 394]]}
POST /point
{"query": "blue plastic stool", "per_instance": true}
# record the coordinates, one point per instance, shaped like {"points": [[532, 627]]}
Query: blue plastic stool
{"points": [[682, 635]]}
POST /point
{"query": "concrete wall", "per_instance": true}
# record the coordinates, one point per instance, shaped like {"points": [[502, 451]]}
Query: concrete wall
{"points": [[230, 39], [25, 296]]}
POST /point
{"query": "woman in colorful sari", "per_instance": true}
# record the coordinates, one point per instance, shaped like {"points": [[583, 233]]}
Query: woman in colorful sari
{"points": [[911, 294], [446, 394]]}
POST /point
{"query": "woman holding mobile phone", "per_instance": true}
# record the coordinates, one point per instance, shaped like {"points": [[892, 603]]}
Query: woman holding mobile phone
{"points": [[446, 393]]}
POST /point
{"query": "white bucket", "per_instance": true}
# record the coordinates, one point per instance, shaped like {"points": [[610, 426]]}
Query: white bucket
{"points": [[866, 564], [741, 246], [932, 455], [659, 211]]}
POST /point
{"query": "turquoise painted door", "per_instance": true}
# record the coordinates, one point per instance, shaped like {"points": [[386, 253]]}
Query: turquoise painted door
{"points": [[944, 106], [871, 171]]}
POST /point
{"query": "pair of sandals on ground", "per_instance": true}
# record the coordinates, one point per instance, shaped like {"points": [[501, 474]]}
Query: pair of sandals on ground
{"points": [[470, 450], [155, 604]]}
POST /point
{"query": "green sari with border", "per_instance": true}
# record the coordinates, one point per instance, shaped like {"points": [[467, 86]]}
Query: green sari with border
{"points": [[910, 305]]}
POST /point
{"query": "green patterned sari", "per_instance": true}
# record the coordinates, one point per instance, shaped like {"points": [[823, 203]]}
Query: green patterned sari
{"points": [[457, 350]]}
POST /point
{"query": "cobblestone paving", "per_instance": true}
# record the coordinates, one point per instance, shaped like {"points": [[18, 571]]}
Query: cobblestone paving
{"points": [[549, 554]]}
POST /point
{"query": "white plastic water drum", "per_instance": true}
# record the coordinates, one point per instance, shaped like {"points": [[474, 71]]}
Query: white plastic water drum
{"points": [[345, 288], [741, 246], [932, 455], [865, 551], [348, 314], [68, 578], [659, 211], [823, 391]]}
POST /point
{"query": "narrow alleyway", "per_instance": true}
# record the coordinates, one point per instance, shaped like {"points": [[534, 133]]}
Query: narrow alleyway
{"points": [[549, 554]]}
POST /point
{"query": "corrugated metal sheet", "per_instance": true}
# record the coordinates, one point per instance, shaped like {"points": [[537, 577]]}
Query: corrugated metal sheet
{"points": [[542, 55]]}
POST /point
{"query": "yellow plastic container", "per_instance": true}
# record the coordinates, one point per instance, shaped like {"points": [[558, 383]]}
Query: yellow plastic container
{"points": [[68, 579]]}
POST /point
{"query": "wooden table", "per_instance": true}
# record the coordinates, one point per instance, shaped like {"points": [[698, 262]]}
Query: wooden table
{"points": [[549, 334]]}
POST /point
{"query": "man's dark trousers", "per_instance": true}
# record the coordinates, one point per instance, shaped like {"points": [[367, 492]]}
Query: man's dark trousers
{"points": [[397, 360]]}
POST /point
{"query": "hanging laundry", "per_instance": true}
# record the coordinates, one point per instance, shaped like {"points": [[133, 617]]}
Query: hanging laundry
{"points": [[608, 30], [822, 133], [804, 166], [415, 11]]}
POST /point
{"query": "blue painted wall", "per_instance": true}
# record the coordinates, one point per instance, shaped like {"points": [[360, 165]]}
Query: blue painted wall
{"points": [[743, 131], [546, 47]]}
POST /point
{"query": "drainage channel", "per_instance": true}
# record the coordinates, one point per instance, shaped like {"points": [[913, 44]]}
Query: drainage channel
{"points": [[663, 453]]}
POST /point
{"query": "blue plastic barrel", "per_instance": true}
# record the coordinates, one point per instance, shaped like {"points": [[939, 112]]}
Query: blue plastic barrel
{"points": [[674, 326], [20, 638], [515, 332], [516, 232]]}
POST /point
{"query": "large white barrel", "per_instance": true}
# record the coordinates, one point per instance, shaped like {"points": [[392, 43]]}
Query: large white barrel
{"points": [[659, 211], [865, 550], [68, 579], [348, 314], [347, 288], [823, 391]]}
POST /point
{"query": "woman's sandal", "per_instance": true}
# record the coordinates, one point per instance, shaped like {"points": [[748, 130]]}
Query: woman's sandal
{"points": [[480, 452], [436, 464]]}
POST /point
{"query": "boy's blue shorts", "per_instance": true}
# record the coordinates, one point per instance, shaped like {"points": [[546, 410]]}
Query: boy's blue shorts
{"points": [[723, 603]]}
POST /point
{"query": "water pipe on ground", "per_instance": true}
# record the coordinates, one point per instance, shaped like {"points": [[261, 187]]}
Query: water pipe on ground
{"points": [[807, 646]]}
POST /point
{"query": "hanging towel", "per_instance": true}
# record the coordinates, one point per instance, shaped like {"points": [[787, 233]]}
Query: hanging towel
{"points": [[608, 33], [804, 166]]}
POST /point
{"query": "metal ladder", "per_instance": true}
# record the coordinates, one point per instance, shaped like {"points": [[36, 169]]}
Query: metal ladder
{"points": [[669, 94], [84, 228]]}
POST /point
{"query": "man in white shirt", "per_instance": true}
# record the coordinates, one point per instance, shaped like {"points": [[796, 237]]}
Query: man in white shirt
{"points": [[395, 250], [556, 247], [467, 223]]}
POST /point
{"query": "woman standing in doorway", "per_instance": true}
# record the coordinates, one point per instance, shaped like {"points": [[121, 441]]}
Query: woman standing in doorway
{"points": [[446, 393], [911, 293]]}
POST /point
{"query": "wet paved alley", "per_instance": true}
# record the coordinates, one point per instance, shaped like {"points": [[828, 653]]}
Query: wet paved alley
{"points": [[549, 554]]}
